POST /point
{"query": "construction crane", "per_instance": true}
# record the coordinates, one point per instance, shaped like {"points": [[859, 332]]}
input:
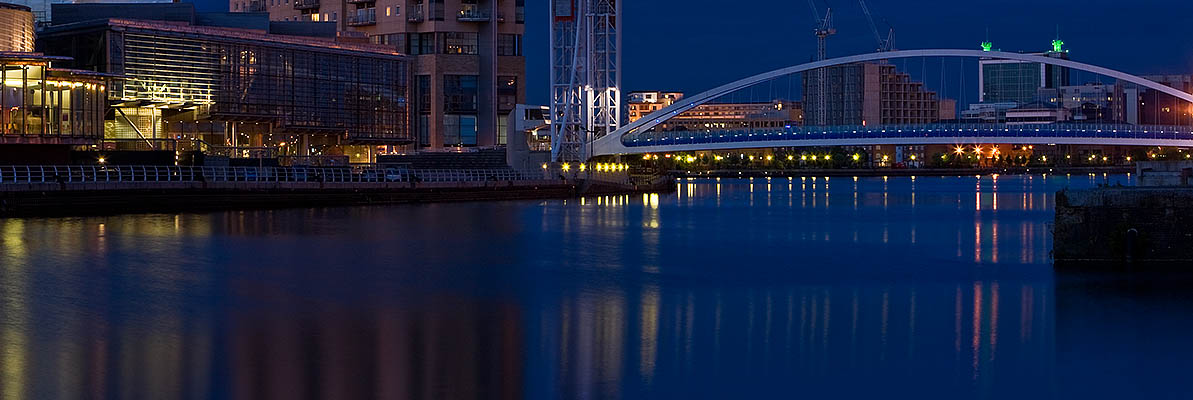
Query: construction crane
{"points": [[824, 28], [817, 98], [887, 44]]}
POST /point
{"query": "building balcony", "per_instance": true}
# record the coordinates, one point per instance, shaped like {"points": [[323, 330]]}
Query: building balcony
{"points": [[360, 1], [415, 14], [256, 6], [363, 19], [472, 14], [305, 4]]}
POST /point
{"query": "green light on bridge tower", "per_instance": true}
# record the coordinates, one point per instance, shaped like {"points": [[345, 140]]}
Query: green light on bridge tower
{"points": [[1057, 44], [986, 46]]}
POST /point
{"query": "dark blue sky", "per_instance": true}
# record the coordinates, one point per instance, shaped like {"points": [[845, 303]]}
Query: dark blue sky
{"points": [[691, 45]]}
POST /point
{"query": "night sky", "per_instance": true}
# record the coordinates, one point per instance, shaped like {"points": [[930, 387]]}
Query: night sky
{"points": [[692, 45]]}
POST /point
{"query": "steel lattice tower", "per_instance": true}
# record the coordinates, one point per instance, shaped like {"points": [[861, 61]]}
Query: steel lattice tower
{"points": [[585, 75]]}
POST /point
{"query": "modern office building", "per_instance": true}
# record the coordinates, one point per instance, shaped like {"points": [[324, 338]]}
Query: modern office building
{"points": [[873, 94], [716, 116], [239, 84], [469, 70], [1019, 81], [47, 109]]}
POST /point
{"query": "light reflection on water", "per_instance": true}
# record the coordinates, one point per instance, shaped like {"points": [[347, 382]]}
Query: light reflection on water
{"points": [[841, 287]]}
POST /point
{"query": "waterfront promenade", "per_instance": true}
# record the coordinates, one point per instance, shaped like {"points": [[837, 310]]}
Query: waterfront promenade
{"points": [[86, 190]]}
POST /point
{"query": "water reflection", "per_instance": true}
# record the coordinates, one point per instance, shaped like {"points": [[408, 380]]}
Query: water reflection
{"points": [[912, 287], [817, 338]]}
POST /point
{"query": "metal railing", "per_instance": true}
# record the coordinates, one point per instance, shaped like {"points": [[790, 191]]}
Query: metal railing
{"points": [[243, 152], [139, 145], [256, 6], [367, 16], [472, 14], [1007, 131], [305, 4], [39, 174], [415, 14], [313, 161]]}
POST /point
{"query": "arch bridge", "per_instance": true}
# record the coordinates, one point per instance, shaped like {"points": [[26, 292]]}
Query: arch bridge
{"points": [[641, 137]]}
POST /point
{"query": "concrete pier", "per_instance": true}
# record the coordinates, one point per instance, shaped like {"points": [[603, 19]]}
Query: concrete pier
{"points": [[1152, 225]]}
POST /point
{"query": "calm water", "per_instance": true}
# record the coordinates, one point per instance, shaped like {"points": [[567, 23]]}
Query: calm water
{"points": [[821, 288]]}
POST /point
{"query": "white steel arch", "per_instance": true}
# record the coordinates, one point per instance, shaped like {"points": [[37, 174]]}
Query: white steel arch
{"points": [[611, 144]]}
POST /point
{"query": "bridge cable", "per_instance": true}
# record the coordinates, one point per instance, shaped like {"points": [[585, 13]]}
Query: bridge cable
{"points": [[943, 87]]}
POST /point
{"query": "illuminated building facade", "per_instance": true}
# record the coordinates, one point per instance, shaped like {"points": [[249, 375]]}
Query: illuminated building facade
{"points": [[716, 116], [641, 104], [244, 87], [721, 116], [469, 71], [46, 109]]}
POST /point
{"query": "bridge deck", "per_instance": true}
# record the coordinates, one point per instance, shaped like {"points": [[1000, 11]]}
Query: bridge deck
{"points": [[1094, 134]]}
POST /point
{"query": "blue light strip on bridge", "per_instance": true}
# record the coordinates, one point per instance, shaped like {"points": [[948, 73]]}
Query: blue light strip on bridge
{"points": [[993, 132]]}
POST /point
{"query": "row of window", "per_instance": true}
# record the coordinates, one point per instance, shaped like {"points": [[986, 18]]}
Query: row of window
{"points": [[460, 97], [436, 8], [447, 43]]}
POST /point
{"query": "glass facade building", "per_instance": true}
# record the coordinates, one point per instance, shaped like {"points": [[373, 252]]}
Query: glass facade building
{"points": [[470, 69], [240, 86], [44, 105], [1005, 81], [39, 102]]}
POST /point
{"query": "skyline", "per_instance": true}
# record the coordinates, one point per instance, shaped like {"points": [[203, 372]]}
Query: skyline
{"points": [[684, 31], [789, 28]]}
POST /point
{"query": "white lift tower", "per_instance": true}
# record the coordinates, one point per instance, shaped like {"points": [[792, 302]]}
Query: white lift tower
{"points": [[585, 75]]}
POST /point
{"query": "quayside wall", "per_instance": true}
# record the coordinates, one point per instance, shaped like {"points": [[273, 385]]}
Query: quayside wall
{"points": [[1152, 225]]}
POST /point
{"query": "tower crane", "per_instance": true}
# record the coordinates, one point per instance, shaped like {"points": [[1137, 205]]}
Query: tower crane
{"points": [[887, 44], [824, 28]]}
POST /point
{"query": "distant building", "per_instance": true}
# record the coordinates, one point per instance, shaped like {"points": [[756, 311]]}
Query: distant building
{"points": [[1037, 113], [722, 116], [1020, 81], [641, 104], [987, 113], [872, 94], [716, 116], [469, 71], [238, 84], [1157, 108], [1093, 102]]}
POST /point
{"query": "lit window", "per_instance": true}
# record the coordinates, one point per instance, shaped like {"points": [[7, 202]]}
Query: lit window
{"points": [[388, 11], [315, 17]]}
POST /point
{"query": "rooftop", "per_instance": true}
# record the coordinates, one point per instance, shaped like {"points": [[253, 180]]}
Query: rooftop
{"points": [[254, 36]]}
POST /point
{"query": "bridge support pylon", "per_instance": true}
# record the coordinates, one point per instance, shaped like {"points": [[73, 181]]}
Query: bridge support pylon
{"points": [[585, 75]]}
